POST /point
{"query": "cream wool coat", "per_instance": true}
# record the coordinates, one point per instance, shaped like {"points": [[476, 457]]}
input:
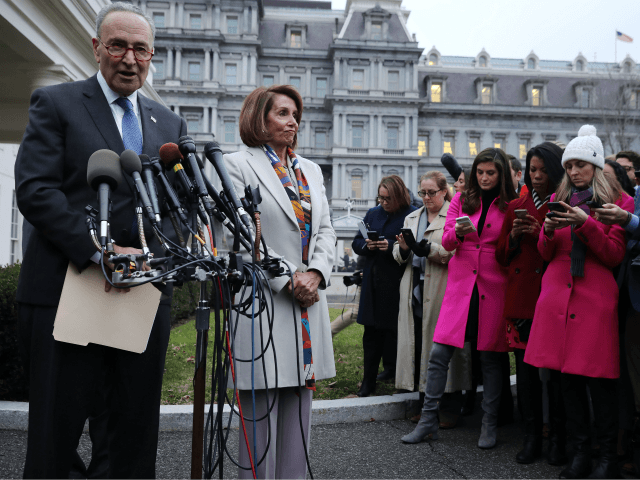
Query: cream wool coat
{"points": [[435, 282], [282, 234]]}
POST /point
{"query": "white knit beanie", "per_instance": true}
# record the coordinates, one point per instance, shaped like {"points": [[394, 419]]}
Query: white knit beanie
{"points": [[587, 146]]}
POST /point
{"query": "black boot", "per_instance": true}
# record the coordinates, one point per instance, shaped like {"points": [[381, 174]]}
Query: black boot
{"points": [[529, 390], [557, 453], [580, 466], [367, 388], [531, 449], [607, 466]]}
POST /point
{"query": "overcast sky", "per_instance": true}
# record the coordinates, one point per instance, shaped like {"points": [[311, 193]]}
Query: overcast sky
{"points": [[553, 29]]}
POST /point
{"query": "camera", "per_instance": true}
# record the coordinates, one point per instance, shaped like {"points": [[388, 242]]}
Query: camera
{"points": [[355, 279]]}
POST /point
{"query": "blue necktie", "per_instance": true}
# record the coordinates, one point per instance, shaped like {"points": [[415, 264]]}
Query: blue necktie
{"points": [[131, 135]]}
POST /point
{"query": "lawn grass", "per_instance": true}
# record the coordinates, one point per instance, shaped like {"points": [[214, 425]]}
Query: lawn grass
{"points": [[177, 385]]}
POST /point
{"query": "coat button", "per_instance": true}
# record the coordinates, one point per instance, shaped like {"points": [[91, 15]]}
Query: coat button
{"points": [[517, 270], [488, 225], [569, 285], [475, 271], [572, 315], [482, 297], [477, 246], [537, 270]]}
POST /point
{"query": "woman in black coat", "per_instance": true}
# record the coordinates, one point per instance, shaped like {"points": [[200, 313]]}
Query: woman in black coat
{"points": [[380, 297]]}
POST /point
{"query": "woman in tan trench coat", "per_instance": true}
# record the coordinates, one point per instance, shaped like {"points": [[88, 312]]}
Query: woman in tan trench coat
{"points": [[435, 196]]}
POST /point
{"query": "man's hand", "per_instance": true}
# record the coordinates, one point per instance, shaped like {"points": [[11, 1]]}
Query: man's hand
{"points": [[611, 214], [306, 287], [110, 266]]}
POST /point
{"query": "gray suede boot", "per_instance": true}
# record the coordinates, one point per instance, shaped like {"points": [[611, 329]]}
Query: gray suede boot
{"points": [[489, 431], [428, 424]]}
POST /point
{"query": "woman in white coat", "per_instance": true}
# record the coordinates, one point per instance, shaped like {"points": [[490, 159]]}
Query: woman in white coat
{"points": [[427, 269], [296, 226]]}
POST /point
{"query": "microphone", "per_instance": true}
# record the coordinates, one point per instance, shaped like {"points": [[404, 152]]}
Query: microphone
{"points": [[451, 164], [212, 191], [131, 164], [188, 151], [147, 173], [170, 156], [172, 199], [104, 174], [214, 154]]}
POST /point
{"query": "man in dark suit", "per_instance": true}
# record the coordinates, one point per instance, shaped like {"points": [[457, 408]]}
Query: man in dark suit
{"points": [[67, 124]]}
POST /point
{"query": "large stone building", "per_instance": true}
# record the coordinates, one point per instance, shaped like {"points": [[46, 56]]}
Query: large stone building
{"points": [[375, 103]]}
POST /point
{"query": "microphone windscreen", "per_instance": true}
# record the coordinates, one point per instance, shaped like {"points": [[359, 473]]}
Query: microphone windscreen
{"points": [[104, 167], [451, 164], [169, 154], [130, 162], [144, 159], [211, 146]]}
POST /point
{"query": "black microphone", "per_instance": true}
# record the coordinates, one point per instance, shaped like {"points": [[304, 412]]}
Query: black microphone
{"points": [[131, 164], [147, 173], [170, 156], [188, 150], [172, 198], [213, 193], [104, 174], [451, 164], [214, 154]]}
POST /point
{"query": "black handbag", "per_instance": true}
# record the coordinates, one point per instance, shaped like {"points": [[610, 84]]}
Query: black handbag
{"points": [[523, 326]]}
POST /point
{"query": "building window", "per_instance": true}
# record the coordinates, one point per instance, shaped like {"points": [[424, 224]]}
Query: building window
{"points": [[423, 146], [634, 99], [482, 61], [436, 92], [230, 131], [356, 186], [295, 81], [580, 66], [473, 149], [194, 71], [267, 80], [195, 22], [158, 19], [394, 81], [535, 97], [447, 147], [626, 68], [486, 95], [231, 74], [232, 25], [296, 39], [497, 145], [522, 150], [376, 30], [159, 64], [15, 220], [321, 87], [433, 59], [356, 136], [193, 125], [392, 138], [321, 139], [585, 98], [531, 64], [358, 79]]}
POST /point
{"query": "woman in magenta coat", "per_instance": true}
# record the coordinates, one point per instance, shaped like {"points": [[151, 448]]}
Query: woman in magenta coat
{"points": [[575, 326], [474, 297], [518, 252]]}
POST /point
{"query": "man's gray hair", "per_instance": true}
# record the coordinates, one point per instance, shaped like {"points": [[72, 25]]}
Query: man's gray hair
{"points": [[124, 7]]}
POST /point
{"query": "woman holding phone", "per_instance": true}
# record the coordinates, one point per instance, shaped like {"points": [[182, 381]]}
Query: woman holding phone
{"points": [[517, 251], [474, 300], [380, 297], [575, 326]]}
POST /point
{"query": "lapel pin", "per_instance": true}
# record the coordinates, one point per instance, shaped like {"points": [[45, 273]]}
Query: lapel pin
{"points": [[153, 119]]}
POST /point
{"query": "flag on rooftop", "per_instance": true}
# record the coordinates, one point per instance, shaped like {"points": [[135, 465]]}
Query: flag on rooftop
{"points": [[623, 38]]}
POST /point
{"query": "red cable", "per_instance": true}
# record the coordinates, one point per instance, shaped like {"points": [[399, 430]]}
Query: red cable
{"points": [[233, 376], [213, 246]]}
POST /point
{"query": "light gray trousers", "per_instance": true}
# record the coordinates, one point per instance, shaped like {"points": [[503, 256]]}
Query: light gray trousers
{"points": [[285, 457], [437, 378]]}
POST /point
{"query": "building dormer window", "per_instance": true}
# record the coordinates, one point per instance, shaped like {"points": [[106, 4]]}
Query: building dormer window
{"points": [[585, 94], [433, 59], [536, 89], [295, 35], [535, 96], [486, 90], [531, 64], [580, 66], [436, 90], [626, 68], [296, 39], [376, 30], [482, 61], [486, 95], [376, 24]]}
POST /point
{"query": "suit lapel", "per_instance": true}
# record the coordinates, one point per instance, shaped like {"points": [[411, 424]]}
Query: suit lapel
{"points": [[151, 142], [263, 169], [96, 104]]}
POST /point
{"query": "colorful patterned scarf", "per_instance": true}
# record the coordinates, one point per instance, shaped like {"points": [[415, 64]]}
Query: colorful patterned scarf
{"points": [[579, 249], [302, 208]]}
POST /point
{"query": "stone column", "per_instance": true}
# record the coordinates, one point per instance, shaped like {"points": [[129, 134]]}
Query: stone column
{"points": [[208, 24], [180, 14], [415, 131], [336, 130], [371, 134], [207, 65], [281, 79], [343, 183], [307, 133], [172, 14], [253, 68], [205, 117], [178, 74], [407, 77], [216, 61], [176, 109], [380, 65], [214, 119], [216, 17], [254, 20], [372, 75], [169, 63], [245, 68], [407, 137], [344, 130], [143, 5], [335, 182], [414, 176], [380, 132], [245, 21], [308, 82], [336, 73], [378, 177], [415, 76]]}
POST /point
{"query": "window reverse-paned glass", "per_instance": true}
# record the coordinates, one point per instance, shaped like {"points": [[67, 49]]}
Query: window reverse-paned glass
{"points": [[357, 131], [473, 149], [394, 80], [535, 97], [296, 39], [585, 98], [159, 69], [229, 131], [392, 138], [522, 150], [321, 87], [321, 139], [376, 30], [194, 71], [423, 146], [232, 25], [195, 22], [358, 79], [267, 80], [447, 147], [158, 19], [486, 95], [231, 74], [193, 125], [356, 186], [436, 92], [295, 81]]}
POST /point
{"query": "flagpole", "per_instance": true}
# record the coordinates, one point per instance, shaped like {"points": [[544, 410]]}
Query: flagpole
{"points": [[615, 42]]}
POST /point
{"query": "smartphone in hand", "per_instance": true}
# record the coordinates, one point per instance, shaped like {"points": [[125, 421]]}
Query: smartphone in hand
{"points": [[592, 204], [521, 213], [373, 235], [407, 234], [465, 221], [556, 207]]}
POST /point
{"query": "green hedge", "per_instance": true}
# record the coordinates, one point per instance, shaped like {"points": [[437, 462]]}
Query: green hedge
{"points": [[13, 382]]}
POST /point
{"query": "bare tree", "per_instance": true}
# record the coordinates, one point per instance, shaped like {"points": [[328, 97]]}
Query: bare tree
{"points": [[621, 115]]}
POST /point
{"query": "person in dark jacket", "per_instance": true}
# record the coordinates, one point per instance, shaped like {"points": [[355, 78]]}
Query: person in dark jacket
{"points": [[380, 298], [517, 250]]}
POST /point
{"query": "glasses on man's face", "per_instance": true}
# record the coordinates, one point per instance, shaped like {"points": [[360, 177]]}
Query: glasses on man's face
{"points": [[629, 168], [118, 51], [428, 193], [382, 199]]}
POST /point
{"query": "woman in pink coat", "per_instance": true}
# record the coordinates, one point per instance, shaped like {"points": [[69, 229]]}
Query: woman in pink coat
{"points": [[474, 297], [575, 325]]}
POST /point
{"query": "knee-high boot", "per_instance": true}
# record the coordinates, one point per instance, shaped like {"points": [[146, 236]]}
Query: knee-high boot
{"points": [[576, 404], [604, 399], [530, 403], [557, 453]]}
